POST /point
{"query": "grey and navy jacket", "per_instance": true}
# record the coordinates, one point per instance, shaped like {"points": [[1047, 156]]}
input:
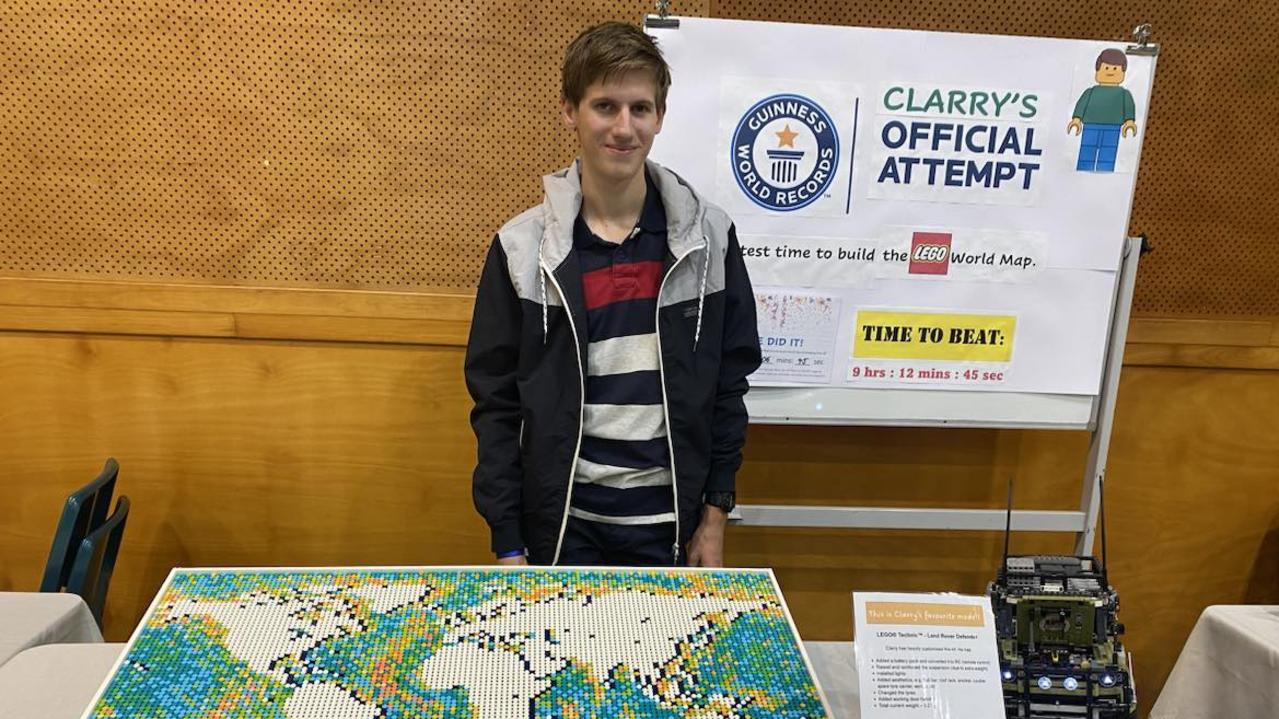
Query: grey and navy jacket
{"points": [[526, 363]]}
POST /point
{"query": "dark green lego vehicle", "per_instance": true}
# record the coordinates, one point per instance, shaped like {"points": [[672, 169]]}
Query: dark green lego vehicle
{"points": [[1059, 647]]}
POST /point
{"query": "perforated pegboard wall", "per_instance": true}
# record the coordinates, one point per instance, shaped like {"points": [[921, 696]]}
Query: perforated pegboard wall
{"points": [[364, 145], [379, 145]]}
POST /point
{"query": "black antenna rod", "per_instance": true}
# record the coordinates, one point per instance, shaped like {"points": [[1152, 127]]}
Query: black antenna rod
{"points": [[1008, 525]]}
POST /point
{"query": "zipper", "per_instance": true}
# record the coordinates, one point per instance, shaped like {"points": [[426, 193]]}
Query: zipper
{"points": [[581, 379], [666, 410]]}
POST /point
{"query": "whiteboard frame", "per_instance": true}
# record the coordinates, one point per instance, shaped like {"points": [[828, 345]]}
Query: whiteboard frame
{"points": [[923, 408], [919, 408], [981, 409]]}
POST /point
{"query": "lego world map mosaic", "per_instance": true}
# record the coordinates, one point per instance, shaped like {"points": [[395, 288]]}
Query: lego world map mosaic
{"points": [[475, 643]]}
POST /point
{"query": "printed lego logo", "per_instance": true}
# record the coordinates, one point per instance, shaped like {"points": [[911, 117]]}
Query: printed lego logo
{"points": [[930, 253]]}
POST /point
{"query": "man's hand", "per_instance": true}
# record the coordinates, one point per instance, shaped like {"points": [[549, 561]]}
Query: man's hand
{"points": [[1129, 129], [1075, 127], [706, 548], [517, 561]]}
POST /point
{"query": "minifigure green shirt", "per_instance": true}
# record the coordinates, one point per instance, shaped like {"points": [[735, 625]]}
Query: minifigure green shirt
{"points": [[1106, 105]]}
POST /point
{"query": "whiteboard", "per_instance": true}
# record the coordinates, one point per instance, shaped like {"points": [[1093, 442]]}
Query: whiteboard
{"points": [[924, 408], [898, 406]]}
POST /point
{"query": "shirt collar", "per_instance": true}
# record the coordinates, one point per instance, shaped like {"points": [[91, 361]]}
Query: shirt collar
{"points": [[652, 218]]}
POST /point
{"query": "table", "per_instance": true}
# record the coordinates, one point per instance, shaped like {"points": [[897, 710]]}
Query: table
{"points": [[55, 681], [836, 670], [58, 681], [1229, 667], [29, 619]]}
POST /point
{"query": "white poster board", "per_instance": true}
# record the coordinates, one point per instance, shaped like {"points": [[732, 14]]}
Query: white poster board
{"points": [[918, 210]]}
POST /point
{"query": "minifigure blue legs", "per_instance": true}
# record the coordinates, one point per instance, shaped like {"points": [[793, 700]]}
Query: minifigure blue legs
{"points": [[1098, 147]]}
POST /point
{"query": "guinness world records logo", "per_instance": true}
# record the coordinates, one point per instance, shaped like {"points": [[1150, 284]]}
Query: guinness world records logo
{"points": [[785, 151]]}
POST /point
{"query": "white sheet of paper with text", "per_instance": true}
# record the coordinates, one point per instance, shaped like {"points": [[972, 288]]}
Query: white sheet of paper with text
{"points": [[926, 656]]}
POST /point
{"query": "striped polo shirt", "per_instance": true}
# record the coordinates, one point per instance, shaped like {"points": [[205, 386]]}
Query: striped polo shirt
{"points": [[623, 472]]}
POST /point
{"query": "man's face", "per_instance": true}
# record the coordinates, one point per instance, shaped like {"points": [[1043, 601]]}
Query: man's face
{"points": [[1109, 74], [615, 123]]}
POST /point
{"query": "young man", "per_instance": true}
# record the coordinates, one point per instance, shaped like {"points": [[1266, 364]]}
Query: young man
{"points": [[614, 329]]}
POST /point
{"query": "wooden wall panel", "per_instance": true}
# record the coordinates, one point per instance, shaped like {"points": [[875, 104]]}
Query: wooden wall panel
{"points": [[236, 453], [243, 451]]}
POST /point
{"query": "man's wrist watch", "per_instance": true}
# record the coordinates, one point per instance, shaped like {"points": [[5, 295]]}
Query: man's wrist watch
{"points": [[723, 500]]}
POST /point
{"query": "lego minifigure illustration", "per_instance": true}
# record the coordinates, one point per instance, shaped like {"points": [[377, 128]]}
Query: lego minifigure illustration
{"points": [[1103, 114]]}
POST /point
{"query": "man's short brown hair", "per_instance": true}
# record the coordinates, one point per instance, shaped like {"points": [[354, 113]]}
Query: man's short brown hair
{"points": [[608, 51]]}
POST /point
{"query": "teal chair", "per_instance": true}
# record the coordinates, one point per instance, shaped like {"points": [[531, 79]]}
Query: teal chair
{"points": [[84, 511], [95, 560]]}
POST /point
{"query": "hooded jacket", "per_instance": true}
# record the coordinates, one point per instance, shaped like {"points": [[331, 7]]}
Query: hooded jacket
{"points": [[526, 363]]}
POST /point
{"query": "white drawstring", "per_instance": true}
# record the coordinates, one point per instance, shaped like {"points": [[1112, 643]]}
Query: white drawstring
{"points": [[701, 294], [541, 281]]}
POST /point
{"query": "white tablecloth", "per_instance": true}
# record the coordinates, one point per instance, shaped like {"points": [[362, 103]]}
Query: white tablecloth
{"points": [[58, 681], [1229, 667], [836, 671], [29, 619], [55, 681]]}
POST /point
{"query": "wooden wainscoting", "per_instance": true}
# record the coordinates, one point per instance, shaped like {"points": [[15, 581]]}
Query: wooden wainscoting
{"points": [[316, 427]]}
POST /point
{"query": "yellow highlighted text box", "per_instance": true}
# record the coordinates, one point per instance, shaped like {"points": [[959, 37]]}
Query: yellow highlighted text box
{"points": [[923, 614], [934, 335]]}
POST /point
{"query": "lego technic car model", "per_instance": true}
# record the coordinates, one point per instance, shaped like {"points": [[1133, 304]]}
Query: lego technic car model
{"points": [[1059, 640]]}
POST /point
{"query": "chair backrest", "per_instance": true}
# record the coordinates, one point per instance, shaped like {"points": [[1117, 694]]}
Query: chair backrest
{"points": [[95, 560], [84, 512]]}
